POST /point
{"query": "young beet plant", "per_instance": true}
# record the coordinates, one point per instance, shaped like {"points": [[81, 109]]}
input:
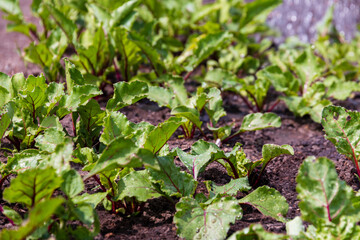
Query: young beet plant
{"points": [[342, 128], [327, 205], [236, 163]]}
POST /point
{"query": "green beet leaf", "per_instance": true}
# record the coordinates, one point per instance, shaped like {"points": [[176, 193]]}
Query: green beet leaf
{"points": [[255, 11], [126, 94], [192, 114], [231, 188], [61, 157], [195, 221], [124, 15], [117, 154], [342, 129], [32, 186], [282, 81], [205, 47], [11, 214], [270, 151], [41, 213], [129, 51], [53, 94], [6, 115], [90, 124], [92, 199], [346, 229], [323, 197], [115, 125], [257, 121], [137, 184], [199, 158], [72, 183], [50, 139], [173, 181], [150, 52], [214, 107], [79, 95], [5, 86], [73, 76], [66, 24], [78, 92], [308, 67], [27, 159], [195, 163], [256, 232], [158, 137], [268, 201]]}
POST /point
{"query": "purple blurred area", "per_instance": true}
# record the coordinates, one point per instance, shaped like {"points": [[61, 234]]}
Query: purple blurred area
{"points": [[300, 17]]}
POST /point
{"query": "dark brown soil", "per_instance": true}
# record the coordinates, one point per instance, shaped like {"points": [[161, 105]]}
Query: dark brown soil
{"points": [[156, 221]]}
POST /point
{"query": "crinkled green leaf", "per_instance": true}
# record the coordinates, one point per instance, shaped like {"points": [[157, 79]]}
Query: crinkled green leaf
{"points": [[78, 92], [233, 161], [61, 157], [32, 96], [269, 202], [32, 186], [257, 91], [84, 156], [50, 139], [137, 184], [27, 159], [173, 181], [11, 6], [158, 137], [162, 96], [322, 195], [195, 221], [342, 129], [79, 95], [126, 94], [257, 121], [339, 89], [115, 125], [53, 94], [72, 183]]}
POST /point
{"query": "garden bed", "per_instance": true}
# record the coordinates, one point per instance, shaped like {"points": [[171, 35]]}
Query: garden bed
{"points": [[154, 217]]}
